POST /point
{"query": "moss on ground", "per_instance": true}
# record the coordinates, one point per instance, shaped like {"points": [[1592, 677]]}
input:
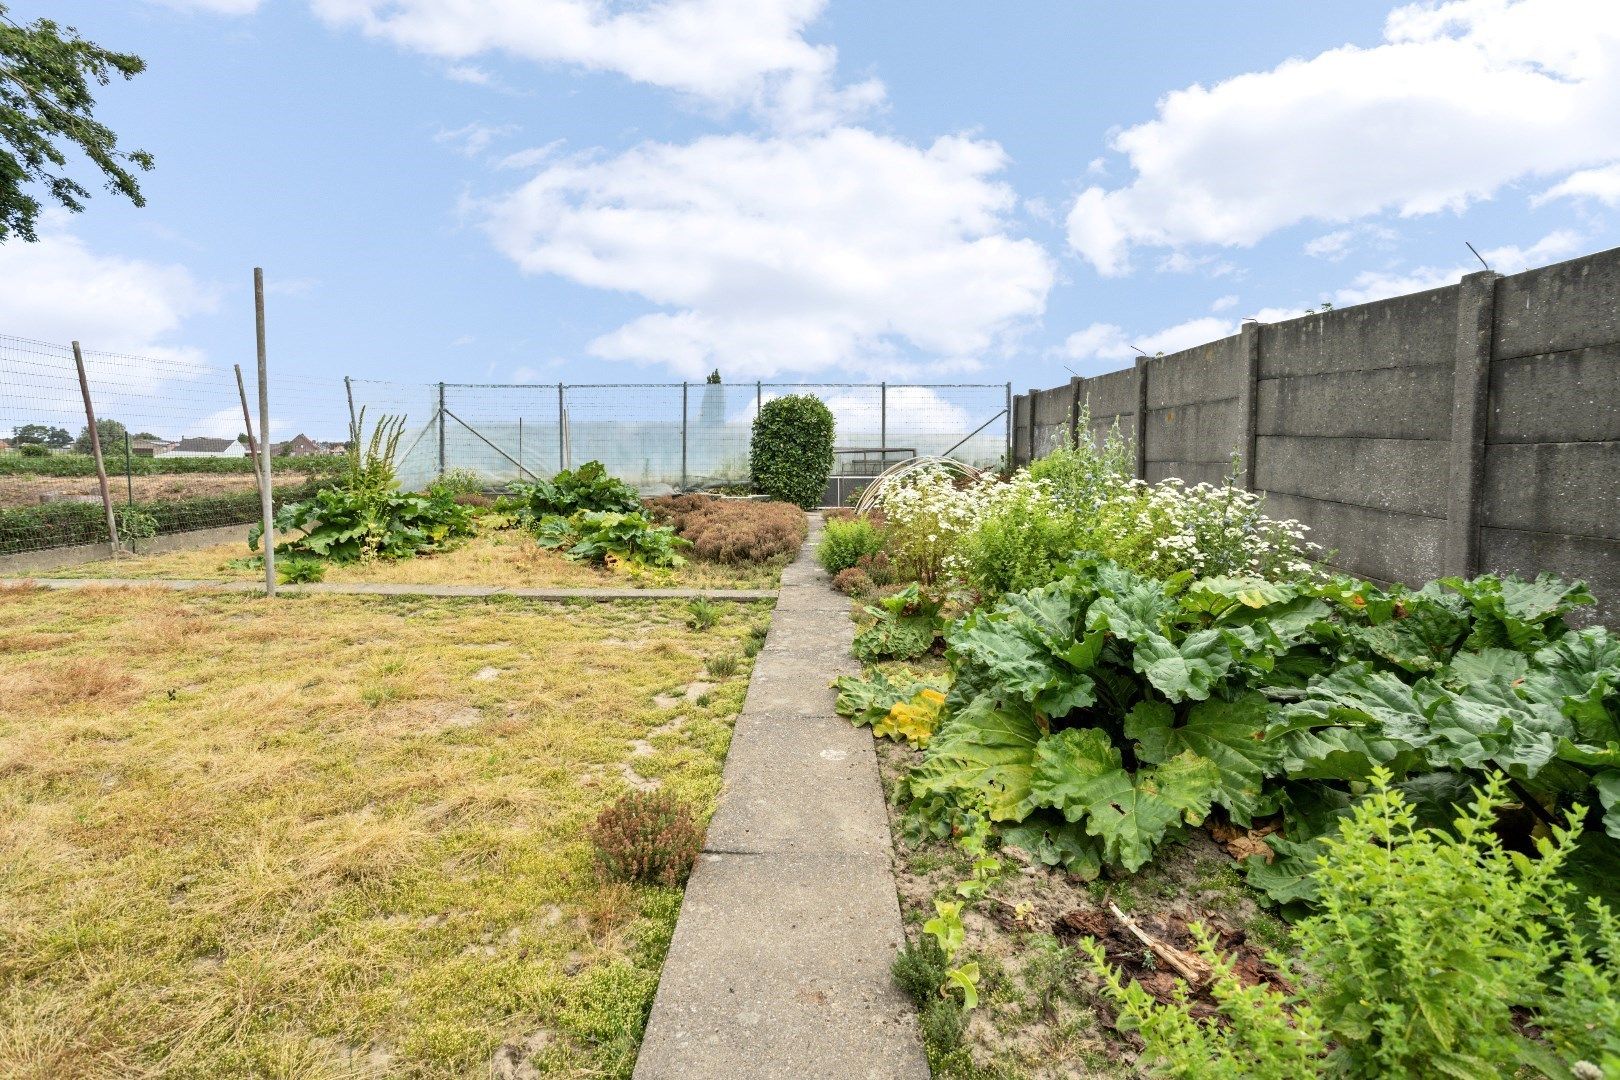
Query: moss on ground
{"points": [[337, 836]]}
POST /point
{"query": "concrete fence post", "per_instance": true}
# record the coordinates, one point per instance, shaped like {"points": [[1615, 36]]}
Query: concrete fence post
{"points": [[1248, 402], [1471, 386], [1139, 437], [1030, 397], [1076, 384]]}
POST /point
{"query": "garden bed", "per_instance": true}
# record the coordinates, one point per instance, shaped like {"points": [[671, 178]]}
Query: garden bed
{"points": [[339, 837], [503, 557]]}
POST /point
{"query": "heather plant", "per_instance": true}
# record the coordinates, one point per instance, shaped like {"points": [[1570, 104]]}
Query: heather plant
{"points": [[647, 837], [732, 530]]}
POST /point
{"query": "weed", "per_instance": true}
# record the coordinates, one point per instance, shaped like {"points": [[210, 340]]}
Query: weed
{"points": [[646, 837], [702, 613], [723, 667]]}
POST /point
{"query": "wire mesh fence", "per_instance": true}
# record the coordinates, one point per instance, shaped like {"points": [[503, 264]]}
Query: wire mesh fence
{"points": [[173, 437], [170, 431], [674, 436]]}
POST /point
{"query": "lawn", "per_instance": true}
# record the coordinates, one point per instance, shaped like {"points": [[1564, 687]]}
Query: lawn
{"points": [[338, 836], [504, 557]]}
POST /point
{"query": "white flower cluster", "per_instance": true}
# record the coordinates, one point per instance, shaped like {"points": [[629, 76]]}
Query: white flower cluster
{"points": [[1169, 526]]}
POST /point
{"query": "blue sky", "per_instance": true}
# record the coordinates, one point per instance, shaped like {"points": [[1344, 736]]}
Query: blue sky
{"points": [[580, 190]]}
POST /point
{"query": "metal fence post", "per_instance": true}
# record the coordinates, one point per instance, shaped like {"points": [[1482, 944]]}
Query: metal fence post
{"points": [[266, 495], [95, 448], [683, 434], [441, 429], [562, 431], [520, 445], [1009, 427], [129, 470], [883, 426], [348, 390]]}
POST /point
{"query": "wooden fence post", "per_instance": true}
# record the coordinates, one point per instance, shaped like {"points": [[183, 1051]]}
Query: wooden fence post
{"points": [[95, 448]]}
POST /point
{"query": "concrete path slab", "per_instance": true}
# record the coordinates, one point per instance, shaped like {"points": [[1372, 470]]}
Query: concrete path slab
{"points": [[779, 967], [389, 589]]}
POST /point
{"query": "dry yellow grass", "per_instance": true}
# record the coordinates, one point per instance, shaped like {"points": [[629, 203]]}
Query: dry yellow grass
{"points": [[336, 836], [509, 558]]}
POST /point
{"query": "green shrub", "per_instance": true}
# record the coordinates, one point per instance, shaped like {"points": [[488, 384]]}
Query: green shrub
{"points": [[702, 613], [455, 483], [33, 528], [1426, 945], [1023, 543], [34, 450], [844, 542], [609, 538], [30, 462], [588, 487], [365, 516], [647, 837], [791, 455]]}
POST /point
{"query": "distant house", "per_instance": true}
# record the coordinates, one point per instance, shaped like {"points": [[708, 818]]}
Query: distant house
{"points": [[151, 447], [299, 445], [220, 448]]}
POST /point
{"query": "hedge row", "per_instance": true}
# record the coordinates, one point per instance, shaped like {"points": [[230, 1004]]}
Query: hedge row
{"points": [[16, 464], [34, 528]]}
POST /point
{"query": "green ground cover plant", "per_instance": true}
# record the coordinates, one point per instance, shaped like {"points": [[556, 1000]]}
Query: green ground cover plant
{"points": [[845, 541]]}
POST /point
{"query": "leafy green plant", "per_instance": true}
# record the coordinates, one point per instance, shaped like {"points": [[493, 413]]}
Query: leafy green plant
{"points": [[648, 837], [571, 491], [845, 542], [610, 538], [723, 667], [1384, 990], [365, 516], [702, 613], [456, 482], [300, 570], [791, 454], [134, 523], [904, 626]]}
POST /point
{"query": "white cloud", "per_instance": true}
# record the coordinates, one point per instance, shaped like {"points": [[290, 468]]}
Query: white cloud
{"points": [[1106, 341], [473, 139], [1600, 184], [1461, 99], [60, 290], [1224, 303], [1507, 259], [729, 53], [792, 253]]}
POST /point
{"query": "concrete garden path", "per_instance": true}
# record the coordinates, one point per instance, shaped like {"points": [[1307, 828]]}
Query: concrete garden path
{"points": [[780, 961]]}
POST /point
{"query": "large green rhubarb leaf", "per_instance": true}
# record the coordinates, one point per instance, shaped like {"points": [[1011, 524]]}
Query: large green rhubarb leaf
{"points": [[1066, 764], [1607, 784], [987, 750], [1129, 818], [1031, 646], [1229, 733], [1185, 671], [1518, 614], [1056, 842]]}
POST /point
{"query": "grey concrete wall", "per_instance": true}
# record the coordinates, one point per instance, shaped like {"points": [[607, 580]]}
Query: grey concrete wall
{"points": [[1459, 430]]}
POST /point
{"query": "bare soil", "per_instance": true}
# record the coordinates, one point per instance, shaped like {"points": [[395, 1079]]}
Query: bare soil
{"points": [[1041, 1014], [19, 491]]}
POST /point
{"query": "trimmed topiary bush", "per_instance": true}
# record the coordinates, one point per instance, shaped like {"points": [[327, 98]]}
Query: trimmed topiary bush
{"points": [[792, 452]]}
